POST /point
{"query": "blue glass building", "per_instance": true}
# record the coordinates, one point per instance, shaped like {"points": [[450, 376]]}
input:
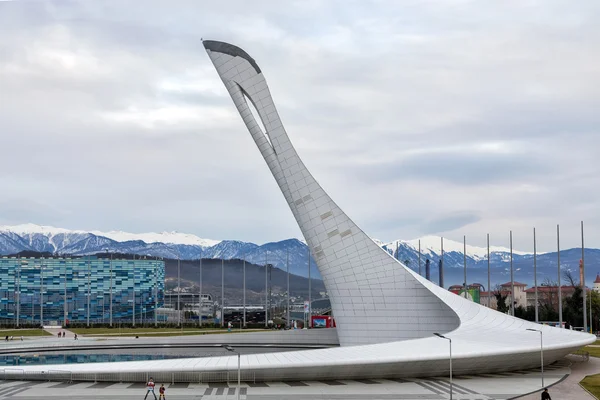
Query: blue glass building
{"points": [[59, 288]]}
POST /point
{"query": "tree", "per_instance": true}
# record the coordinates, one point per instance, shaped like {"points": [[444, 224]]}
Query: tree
{"points": [[573, 307], [594, 323], [522, 312], [501, 300], [568, 275], [548, 301]]}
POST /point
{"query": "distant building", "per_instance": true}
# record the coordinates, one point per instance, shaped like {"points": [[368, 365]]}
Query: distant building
{"points": [[483, 298], [549, 294], [597, 284], [473, 291], [58, 288], [520, 296], [189, 302]]}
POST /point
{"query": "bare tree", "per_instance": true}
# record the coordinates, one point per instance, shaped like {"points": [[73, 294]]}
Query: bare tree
{"points": [[547, 297], [568, 275]]}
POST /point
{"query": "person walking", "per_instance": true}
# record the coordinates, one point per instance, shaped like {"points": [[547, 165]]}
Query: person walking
{"points": [[161, 392], [546, 395], [150, 388]]}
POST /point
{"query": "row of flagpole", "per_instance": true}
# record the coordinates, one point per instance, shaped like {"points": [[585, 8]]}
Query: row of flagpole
{"points": [[267, 300], [512, 280], [441, 279]]}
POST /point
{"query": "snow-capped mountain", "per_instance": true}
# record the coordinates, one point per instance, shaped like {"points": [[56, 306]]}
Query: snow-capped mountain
{"points": [[30, 237], [430, 248], [117, 236]]}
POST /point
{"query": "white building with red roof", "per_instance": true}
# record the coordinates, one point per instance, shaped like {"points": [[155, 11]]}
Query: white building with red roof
{"points": [[520, 296], [597, 284]]}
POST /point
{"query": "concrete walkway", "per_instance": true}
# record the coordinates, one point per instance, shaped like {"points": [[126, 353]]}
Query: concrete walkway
{"points": [[54, 332], [569, 389]]}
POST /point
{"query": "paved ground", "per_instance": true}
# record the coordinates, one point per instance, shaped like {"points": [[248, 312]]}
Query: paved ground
{"points": [[569, 388], [54, 332], [477, 387]]}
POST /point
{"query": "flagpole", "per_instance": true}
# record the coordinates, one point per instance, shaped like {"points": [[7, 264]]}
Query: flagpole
{"points": [[442, 248], [309, 291], [537, 320], [489, 288], [512, 278], [585, 324], [420, 258], [244, 295], [200, 295], [560, 316], [266, 290], [465, 261], [287, 266], [222, 292]]}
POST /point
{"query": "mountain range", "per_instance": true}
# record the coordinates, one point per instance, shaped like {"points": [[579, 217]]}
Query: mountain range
{"points": [[173, 245]]}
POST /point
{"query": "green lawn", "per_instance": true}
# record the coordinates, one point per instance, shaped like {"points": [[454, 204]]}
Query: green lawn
{"points": [[592, 384], [594, 351], [24, 332], [154, 331]]}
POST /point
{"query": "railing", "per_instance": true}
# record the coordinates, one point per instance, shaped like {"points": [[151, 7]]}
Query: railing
{"points": [[12, 373], [227, 376], [162, 377], [53, 375]]}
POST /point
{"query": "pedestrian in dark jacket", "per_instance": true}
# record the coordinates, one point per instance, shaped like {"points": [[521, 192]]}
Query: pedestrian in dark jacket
{"points": [[546, 395]]}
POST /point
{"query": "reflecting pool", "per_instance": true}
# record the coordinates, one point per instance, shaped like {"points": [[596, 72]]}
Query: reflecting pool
{"points": [[41, 359]]}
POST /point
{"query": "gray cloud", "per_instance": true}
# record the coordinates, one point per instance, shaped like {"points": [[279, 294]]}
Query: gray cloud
{"points": [[461, 168], [449, 223], [408, 113]]}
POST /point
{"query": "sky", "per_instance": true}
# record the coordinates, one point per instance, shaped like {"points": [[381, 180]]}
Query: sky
{"points": [[449, 117]]}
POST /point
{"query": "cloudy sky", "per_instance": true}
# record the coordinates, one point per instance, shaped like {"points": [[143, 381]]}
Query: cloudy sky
{"points": [[448, 117]]}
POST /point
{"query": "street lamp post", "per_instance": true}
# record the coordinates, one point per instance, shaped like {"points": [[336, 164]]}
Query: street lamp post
{"points": [[450, 342], [231, 349], [541, 350]]}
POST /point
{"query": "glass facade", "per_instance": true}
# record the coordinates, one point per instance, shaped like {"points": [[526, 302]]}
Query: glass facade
{"points": [[58, 288]]}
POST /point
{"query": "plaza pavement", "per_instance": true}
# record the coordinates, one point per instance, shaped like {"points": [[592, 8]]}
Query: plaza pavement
{"points": [[500, 386], [569, 389], [565, 377]]}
